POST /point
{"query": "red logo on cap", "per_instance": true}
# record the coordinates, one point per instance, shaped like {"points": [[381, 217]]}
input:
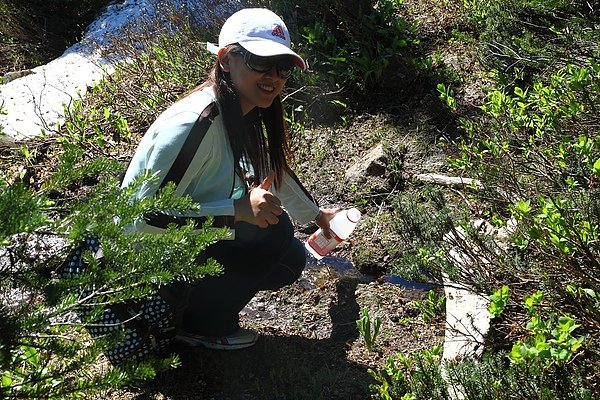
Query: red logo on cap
{"points": [[278, 31]]}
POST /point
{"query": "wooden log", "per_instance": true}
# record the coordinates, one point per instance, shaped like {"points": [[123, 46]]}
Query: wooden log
{"points": [[452, 181]]}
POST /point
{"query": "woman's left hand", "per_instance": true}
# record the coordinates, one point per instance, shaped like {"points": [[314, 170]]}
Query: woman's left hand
{"points": [[324, 218], [260, 207]]}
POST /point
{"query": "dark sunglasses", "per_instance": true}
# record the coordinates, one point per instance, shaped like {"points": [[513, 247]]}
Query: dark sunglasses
{"points": [[284, 65]]}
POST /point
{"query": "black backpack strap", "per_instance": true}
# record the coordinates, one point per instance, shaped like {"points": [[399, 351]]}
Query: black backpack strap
{"points": [[191, 145], [180, 166]]}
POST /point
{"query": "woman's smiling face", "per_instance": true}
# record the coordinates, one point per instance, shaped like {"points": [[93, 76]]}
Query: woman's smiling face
{"points": [[255, 89]]}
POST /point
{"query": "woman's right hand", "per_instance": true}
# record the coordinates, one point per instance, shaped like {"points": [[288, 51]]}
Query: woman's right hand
{"points": [[259, 207], [324, 218]]}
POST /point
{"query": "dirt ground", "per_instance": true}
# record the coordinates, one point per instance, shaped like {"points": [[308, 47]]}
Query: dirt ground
{"points": [[309, 346]]}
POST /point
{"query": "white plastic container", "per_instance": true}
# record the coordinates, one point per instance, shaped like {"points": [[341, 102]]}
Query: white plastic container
{"points": [[342, 225]]}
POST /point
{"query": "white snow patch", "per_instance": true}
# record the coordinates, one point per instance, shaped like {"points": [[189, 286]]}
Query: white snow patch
{"points": [[34, 104]]}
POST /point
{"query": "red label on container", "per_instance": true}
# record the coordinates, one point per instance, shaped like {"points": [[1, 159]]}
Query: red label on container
{"points": [[321, 245]]}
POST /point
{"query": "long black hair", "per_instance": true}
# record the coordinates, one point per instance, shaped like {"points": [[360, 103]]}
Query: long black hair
{"points": [[260, 137]]}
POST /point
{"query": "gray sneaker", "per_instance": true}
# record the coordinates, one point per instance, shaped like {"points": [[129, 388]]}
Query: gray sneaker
{"points": [[241, 339]]}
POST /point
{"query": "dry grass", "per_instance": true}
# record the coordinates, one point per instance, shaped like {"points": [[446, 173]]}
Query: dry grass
{"points": [[37, 31]]}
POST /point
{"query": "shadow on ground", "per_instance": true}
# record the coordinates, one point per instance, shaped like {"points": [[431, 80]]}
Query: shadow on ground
{"points": [[279, 366]]}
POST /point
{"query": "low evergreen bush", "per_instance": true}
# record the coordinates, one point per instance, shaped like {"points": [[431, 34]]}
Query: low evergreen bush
{"points": [[45, 349]]}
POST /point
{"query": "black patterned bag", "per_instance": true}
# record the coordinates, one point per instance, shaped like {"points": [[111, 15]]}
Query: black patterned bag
{"points": [[148, 327]]}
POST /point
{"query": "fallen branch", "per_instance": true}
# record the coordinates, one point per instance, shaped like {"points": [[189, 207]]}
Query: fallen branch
{"points": [[452, 181]]}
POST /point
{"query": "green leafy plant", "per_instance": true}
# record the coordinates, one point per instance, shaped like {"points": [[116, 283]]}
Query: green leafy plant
{"points": [[583, 293], [353, 57], [293, 118], [492, 378], [498, 301], [17, 201], [531, 34], [432, 306], [447, 95], [415, 376], [550, 340], [344, 107], [164, 61], [369, 329]]}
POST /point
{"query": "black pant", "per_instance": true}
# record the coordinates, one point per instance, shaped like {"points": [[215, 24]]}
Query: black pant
{"points": [[258, 259]]}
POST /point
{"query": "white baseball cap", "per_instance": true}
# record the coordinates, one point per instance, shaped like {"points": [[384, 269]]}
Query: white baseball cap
{"points": [[258, 30]]}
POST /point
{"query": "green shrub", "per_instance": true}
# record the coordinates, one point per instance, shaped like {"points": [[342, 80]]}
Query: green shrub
{"points": [[355, 49], [535, 152], [359, 58], [421, 221], [494, 378], [535, 34], [174, 60], [546, 134], [44, 351], [498, 301], [432, 307], [550, 339], [411, 377], [17, 202]]}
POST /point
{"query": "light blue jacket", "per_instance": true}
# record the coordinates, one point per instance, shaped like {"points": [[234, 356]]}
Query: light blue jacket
{"points": [[208, 175]]}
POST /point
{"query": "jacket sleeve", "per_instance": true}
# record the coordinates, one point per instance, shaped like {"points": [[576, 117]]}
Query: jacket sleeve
{"points": [[296, 199], [167, 153]]}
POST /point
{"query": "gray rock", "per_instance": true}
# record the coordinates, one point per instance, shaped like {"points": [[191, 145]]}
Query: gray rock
{"points": [[11, 76], [373, 164]]}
